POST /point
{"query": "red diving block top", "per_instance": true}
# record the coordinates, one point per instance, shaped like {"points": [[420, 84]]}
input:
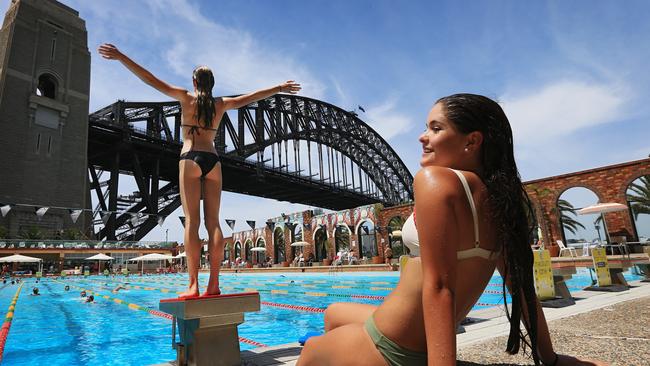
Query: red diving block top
{"points": [[208, 297], [197, 307]]}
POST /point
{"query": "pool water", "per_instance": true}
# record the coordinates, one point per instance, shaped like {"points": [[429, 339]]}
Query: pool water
{"points": [[59, 328]]}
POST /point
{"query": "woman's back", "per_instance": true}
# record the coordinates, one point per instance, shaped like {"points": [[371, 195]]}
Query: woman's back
{"points": [[197, 136], [400, 317]]}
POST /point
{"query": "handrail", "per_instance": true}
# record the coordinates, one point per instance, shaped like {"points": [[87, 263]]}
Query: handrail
{"points": [[18, 244]]}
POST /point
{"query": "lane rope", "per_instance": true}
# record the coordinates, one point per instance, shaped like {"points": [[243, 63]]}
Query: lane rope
{"points": [[151, 311], [306, 293], [4, 331]]}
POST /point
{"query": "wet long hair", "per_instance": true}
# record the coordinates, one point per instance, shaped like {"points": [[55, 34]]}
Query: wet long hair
{"points": [[508, 204], [204, 79]]}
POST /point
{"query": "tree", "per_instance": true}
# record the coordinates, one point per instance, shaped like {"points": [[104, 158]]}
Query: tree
{"points": [[69, 234], [32, 233], [342, 237], [567, 212], [639, 197]]}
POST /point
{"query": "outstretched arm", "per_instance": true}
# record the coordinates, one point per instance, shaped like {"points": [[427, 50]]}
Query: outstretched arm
{"points": [[289, 86], [436, 190], [110, 52], [544, 343]]}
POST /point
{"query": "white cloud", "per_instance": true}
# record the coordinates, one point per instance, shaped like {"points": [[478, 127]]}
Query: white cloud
{"points": [[240, 62], [561, 108], [387, 120], [172, 48]]}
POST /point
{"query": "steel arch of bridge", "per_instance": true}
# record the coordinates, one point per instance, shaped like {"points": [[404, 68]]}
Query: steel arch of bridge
{"points": [[244, 143]]}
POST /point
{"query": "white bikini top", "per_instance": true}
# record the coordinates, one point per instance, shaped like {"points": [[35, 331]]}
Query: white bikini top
{"points": [[410, 233]]}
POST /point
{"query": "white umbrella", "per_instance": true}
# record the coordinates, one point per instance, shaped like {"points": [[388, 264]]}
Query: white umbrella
{"points": [[99, 257], [300, 244], [258, 249], [601, 208], [150, 258], [181, 256], [18, 258]]}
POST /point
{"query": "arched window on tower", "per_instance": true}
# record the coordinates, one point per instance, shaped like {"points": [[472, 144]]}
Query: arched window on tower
{"points": [[46, 86]]}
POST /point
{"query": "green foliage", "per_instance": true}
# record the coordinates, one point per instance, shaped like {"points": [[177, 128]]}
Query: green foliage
{"points": [[342, 237], [71, 234], [32, 233], [638, 196], [567, 212]]}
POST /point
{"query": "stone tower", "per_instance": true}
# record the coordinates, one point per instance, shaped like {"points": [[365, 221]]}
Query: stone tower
{"points": [[44, 92]]}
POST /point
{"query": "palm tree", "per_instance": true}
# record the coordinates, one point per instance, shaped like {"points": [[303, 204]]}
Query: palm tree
{"points": [[639, 197], [567, 211]]}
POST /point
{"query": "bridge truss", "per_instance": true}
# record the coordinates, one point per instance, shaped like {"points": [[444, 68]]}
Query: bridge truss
{"points": [[286, 147]]}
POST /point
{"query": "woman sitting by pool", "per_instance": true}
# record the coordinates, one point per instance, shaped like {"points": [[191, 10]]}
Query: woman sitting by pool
{"points": [[471, 215]]}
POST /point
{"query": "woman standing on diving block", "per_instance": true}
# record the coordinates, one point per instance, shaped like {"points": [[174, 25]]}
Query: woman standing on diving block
{"points": [[199, 165]]}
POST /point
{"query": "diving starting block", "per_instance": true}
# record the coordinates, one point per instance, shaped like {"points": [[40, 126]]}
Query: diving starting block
{"points": [[207, 327]]}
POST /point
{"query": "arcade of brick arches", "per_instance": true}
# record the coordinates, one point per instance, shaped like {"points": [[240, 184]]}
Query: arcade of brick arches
{"points": [[609, 183]]}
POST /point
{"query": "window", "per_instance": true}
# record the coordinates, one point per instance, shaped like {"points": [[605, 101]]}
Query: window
{"points": [[46, 86], [53, 51]]}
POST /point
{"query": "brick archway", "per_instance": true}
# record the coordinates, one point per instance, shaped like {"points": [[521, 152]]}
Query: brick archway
{"points": [[609, 183]]}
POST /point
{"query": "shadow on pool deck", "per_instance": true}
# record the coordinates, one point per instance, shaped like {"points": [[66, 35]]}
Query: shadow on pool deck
{"points": [[271, 356]]}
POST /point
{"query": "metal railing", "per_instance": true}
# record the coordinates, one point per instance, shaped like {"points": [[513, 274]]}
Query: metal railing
{"points": [[18, 244]]}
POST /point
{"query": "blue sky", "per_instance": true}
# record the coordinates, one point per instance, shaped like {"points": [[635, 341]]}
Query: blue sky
{"points": [[572, 76]]}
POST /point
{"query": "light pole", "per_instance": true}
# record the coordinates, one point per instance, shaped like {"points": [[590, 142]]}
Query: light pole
{"points": [[166, 236]]}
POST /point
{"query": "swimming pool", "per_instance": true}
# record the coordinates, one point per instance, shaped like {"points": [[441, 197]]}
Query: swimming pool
{"points": [[124, 328]]}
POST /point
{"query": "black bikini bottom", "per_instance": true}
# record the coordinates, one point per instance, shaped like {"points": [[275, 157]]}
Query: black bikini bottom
{"points": [[205, 159]]}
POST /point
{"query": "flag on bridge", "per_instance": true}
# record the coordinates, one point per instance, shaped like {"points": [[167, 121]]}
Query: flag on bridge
{"points": [[74, 215], [40, 211], [231, 223], [251, 223], [5, 210], [182, 218]]}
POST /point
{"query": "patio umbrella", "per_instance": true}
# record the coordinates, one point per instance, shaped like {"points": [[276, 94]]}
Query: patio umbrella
{"points": [[18, 258], [601, 208], [152, 257], [258, 249], [300, 244], [99, 257], [181, 256]]}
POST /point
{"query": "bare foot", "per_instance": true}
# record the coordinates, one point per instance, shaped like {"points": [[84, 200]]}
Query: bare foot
{"points": [[191, 292], [207, 293], [213, 286]]}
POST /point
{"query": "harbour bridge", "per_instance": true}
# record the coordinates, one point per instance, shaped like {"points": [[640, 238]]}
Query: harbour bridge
{"points": [[286, 147]]}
